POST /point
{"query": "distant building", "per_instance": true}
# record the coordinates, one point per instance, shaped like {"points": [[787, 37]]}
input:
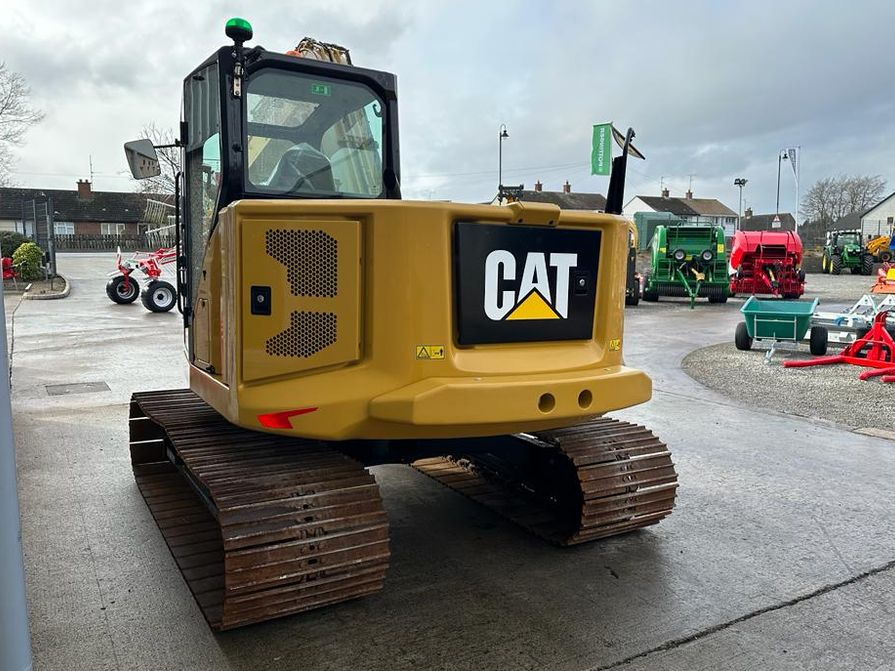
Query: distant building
{"points": [[880, 218], [78, 211], [850, 222], [690, 209], [565, 198], [765, 222]]}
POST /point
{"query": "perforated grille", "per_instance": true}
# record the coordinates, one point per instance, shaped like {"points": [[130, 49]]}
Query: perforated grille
{"points": [[311, 260], [308, 333]]}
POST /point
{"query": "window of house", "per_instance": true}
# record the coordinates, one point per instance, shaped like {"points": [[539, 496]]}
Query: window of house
{"points": [[107, 228], [64, 227]]}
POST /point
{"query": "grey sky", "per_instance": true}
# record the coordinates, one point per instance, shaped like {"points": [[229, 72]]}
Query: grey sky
{"points": [[714, 89]]}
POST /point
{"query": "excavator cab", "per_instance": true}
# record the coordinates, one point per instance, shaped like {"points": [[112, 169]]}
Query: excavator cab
{"points": [[480, 344]]}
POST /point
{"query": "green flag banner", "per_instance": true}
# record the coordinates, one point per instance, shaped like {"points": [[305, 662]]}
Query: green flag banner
{"points": [[601, 149]]}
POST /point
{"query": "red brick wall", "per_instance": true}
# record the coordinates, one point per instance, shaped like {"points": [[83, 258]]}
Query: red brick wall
{"points": [[86, 228], [95, 228]]}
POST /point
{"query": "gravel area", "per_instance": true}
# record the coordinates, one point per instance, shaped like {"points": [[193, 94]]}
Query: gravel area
{"points": [[832, 393], [838, 290]]}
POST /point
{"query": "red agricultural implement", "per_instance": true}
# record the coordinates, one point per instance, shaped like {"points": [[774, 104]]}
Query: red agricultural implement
{"points": [[158, 295], [885, 280], [767, 263], [874, 350]]}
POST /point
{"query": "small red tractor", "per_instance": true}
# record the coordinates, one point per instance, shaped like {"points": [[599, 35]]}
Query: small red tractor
{"points": [[158, 295], [767, 263]]}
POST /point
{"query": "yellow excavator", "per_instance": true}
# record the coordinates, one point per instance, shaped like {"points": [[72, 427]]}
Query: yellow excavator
{"points": [[331, 326]]}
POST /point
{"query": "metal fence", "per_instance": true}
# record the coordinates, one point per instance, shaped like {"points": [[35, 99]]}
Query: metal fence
{"points": [[37, 222], [109, 243]]}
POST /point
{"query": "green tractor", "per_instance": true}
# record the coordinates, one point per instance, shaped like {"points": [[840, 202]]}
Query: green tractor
{"points": [[690, 261], [845, 249]]}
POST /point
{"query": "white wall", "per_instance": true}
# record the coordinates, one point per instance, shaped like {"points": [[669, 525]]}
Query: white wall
{"points": [[8, 225], [878, 220], [635, 205]]}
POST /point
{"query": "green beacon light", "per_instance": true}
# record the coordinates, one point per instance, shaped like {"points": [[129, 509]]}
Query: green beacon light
{"points": [[238, 30]]}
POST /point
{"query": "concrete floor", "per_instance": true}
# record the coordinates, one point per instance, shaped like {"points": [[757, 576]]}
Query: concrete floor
{"points": [[779, 554]]}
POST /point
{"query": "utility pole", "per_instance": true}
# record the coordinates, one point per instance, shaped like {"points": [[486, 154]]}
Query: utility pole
{"points": [[15, 641], [502, 133], [740, 182], [780, 156]]}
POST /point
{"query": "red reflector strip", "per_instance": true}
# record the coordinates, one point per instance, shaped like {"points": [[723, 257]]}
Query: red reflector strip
{"points": [[280, 420]]}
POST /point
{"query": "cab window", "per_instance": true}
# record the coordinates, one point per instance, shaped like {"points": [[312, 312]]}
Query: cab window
{"points": [[313, 137]]}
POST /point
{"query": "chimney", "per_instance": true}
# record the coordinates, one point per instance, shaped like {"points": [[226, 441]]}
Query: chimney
{"points": [[748, 213], [689, 194], [664, 193], [539, 186], [84, 192], [567, 188]]}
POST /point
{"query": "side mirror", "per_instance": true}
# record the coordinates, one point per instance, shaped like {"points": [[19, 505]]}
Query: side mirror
{"points": [[142, 159]]}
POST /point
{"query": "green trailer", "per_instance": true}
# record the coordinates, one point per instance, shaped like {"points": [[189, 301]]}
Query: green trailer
{"points": [[688, 260], [779, 321]]}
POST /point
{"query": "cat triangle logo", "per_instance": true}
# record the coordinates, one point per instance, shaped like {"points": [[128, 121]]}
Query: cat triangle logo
{"points": [[533, 307]]}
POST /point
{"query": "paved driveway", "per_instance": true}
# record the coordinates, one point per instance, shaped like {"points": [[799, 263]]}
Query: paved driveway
{"points": [[778, 555]]}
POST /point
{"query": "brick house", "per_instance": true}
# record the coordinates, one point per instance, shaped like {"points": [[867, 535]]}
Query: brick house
{"points": [[566, 199], [765, 222], [80, 211], [688, 208]]}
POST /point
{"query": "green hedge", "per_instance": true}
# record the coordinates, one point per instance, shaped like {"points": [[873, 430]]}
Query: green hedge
{"points": [[10, 241], [28, 261]]}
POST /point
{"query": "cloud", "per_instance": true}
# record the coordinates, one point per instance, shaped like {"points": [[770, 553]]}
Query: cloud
{"points": [[714, 89]]}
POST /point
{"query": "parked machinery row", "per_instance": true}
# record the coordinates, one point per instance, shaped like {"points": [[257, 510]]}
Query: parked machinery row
{"points": [[690, 260]]}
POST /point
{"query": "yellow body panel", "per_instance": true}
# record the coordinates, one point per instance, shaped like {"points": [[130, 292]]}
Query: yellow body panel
{"points": [[878, 244], [362, 325]]}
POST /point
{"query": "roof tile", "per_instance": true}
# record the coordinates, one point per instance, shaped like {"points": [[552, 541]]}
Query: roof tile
{"points": [[108, 206]]}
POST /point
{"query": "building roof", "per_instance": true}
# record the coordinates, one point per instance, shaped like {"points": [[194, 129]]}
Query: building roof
{"points": [[689, 207], [876, 205], [567, 201], [849, 221], [762, 222], [108, 206]]}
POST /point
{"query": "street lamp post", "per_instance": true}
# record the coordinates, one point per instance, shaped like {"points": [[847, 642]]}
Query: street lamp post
{"points": [[781, 156], [740, 182], [502, 133]]}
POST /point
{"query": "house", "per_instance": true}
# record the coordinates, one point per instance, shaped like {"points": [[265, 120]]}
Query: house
{"points": [[879, 219], [79, 211], [850, 222], [690, 209], [765, 222], [566, 199]]}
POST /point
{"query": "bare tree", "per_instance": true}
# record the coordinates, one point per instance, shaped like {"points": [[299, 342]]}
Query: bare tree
{"points": [[834, 197], [169, 158], [859, 193], [16, 115]]}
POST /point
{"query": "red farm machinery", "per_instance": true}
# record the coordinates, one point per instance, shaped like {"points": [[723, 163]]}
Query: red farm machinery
{"points": [[159, 295], [767, 263]]}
